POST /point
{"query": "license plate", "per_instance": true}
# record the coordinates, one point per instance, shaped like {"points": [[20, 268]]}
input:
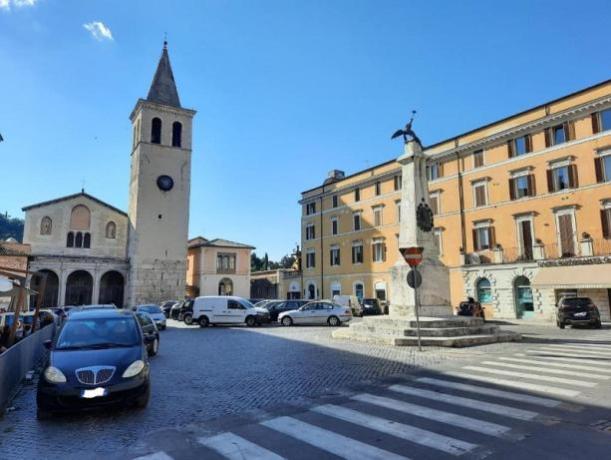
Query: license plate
{"points": [[93, 393], [580, 314]]}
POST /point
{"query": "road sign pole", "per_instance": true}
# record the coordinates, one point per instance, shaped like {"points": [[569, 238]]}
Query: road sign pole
{"points": [[417, 307]]}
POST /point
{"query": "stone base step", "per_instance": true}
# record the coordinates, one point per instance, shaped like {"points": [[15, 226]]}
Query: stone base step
{"points": [[425, 322], [424, 331], [438, 341]]}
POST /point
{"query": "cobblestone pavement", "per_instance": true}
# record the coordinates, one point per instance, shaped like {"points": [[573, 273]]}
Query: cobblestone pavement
{"points": [[205, 375]]}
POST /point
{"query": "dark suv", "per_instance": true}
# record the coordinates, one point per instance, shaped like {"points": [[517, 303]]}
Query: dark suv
{"points": [[275, 307], [577, 310]]}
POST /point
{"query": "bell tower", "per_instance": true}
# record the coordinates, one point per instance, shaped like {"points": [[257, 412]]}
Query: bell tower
{"points": [[159, 190]]}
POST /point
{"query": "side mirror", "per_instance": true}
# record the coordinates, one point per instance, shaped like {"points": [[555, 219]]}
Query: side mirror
{"points": [[47, 344]]}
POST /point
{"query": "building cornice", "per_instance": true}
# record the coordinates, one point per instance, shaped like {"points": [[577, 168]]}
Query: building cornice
{"points": [[526, 128]]}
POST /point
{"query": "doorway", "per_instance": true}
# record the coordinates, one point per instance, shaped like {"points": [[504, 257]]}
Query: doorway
{"points": [[524, 304]]}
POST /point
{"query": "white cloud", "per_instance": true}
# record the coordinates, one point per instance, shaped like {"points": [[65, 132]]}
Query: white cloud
{"points": [[98, 30], [6, 4]]}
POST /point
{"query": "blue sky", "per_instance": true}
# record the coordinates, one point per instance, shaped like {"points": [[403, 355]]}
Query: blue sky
{"points": [[285, 91]]}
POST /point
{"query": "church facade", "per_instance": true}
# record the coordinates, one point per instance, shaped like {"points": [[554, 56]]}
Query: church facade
{"points": [[92, 252]]}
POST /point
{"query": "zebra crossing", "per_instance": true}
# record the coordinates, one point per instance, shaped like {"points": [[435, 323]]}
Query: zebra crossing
{"points": [[468, 411]]}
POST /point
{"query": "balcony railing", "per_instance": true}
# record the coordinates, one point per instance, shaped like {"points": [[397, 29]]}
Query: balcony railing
{"points": [[586, 247]]}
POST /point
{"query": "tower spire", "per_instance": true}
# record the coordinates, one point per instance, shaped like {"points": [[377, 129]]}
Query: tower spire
{"points": [[163, 88]]}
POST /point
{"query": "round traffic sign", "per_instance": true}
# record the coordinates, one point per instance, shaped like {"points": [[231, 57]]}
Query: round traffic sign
{"points": [[414, 279]]}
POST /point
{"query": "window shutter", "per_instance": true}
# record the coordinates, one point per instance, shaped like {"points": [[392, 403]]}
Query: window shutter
{"points": [[529, 143], [550, 181], [512, 191], [510, 152], [440, 169], [604, 219], [491, 237], [595, 123], [475, 242], [569, 130], [384, 252], [548, 137], [598, 167], [531, 185], [573, 179]]}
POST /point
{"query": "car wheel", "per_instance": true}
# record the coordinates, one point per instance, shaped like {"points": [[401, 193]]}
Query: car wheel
{"points": [[561, 324], [333, 321], [142, 401], [287, 321], [203, 321], [188, 319], [154, 349], [251, 321]]}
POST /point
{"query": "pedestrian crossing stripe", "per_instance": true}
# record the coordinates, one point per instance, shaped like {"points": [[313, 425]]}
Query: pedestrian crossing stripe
{"points": [[581, 351], [547, 363], [546, 369], [329, 441], [547, 389], [559, 357], [544, 378], [410, 433], [234, 447], [566, 353], [461, 421], [484, 406]]}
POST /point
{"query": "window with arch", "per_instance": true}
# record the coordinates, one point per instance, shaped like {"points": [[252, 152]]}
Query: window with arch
{"points": [[78, 240], [484, 292], [70, 240], [359, 291], [46, 226], [176, 134], [156, 131], [111, 230]]}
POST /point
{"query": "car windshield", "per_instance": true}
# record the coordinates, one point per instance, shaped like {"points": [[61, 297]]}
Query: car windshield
{"points": [[577, 302], [98, 333], [150, 309]]}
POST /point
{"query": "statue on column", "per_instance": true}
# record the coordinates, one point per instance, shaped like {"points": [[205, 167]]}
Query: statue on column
{"points": [[407, 131]]}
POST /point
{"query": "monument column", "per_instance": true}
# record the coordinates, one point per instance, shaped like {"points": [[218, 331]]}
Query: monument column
{"points": [[434, 293]]}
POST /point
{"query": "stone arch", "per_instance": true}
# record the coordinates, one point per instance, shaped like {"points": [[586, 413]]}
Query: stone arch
{"points": [[112, 284], [79, 288], [46, 226], [483, 290], [80, 218], [50, 296], [226, 286]]}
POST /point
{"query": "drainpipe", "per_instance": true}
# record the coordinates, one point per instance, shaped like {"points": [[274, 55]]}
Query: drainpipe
{"points": [[461, 201], [322, 265]]}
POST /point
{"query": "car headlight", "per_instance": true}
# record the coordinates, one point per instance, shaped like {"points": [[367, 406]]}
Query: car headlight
{"points": [[134, 369], [54, 375]]}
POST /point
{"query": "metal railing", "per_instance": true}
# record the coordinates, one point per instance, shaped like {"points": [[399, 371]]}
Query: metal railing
{"points": [[513, 255], [601, 247], [19, 359]]}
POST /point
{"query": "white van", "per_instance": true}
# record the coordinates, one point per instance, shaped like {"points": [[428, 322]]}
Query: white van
{"points": [[350, 301], [224, 310]]}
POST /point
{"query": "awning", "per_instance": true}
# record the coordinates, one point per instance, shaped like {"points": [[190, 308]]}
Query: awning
{"points": [[595, 276]]}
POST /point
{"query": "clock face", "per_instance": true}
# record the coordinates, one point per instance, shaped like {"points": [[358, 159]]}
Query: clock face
{"points": [[165, 183]]}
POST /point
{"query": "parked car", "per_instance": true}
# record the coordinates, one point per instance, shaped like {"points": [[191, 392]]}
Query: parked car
{"points": [[225, 310], [350, 301], [317, 312], [255, 301], [97, 358], [175, 310], [167, 306], [371, 307], [150, 332], [185, 312], [577, 311], [155, 312], [108, 306], [275, 307]]}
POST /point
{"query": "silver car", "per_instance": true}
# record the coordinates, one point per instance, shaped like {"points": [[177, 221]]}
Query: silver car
{"points": [[155, 312], [316, 312]]}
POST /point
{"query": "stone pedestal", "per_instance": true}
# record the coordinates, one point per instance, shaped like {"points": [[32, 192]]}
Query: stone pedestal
{"points": [[438, 326]]}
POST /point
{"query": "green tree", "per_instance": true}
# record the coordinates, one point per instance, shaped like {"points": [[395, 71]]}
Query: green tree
{"points": [[11, 227]]}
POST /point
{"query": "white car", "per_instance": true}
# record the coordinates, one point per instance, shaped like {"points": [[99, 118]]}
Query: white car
{"points": [[155, 312], [227, 310], [317, 312]]}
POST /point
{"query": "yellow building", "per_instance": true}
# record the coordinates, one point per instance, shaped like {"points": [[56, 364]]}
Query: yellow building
{"points": [[522, 213]]}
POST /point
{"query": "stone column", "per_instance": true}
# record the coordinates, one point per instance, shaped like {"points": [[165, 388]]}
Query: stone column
{"points": [[434, 293], [62, 286]]}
